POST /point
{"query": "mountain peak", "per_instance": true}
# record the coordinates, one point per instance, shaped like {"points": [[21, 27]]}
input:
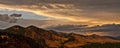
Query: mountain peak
{"points": [[16, 27], [32, 27]]}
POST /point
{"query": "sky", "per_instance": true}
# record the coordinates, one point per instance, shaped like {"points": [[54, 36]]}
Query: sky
{"points": [[90, 11], [25, 15], [60, 14]]}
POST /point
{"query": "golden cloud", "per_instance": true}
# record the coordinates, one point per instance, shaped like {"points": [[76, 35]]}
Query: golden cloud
{"points": [[68, 12]]}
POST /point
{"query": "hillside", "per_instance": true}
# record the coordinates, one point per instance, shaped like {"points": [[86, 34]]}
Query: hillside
{"points": [[98, 45], [53, 39], [14, 41]]}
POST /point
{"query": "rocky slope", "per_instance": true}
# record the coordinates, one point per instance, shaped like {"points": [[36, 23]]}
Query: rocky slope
{"points": [[8, 40]]}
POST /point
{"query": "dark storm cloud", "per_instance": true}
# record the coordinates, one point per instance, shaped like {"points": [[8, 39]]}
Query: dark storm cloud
{"points": [[79, 3]]}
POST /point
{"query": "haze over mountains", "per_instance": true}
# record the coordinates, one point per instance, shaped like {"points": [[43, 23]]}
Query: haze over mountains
{"points": [[106, 29]]}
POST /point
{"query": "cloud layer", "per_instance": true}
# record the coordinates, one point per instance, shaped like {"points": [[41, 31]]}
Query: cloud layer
{"points": [[91, 11], [103, 30]]}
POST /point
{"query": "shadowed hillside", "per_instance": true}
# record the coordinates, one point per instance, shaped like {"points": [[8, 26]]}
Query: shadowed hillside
{"points": [[16, 41], [98, 45]]}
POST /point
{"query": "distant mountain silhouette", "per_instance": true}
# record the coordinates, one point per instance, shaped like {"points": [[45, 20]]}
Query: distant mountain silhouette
{"points": [[52, 39], [105, 28]]}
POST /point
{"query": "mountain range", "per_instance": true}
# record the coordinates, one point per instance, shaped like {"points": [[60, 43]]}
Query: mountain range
{"points": [[52, 39]]}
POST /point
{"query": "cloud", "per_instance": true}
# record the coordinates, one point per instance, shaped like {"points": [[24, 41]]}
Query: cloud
{"points": [[103, 30], [91, 11]]}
